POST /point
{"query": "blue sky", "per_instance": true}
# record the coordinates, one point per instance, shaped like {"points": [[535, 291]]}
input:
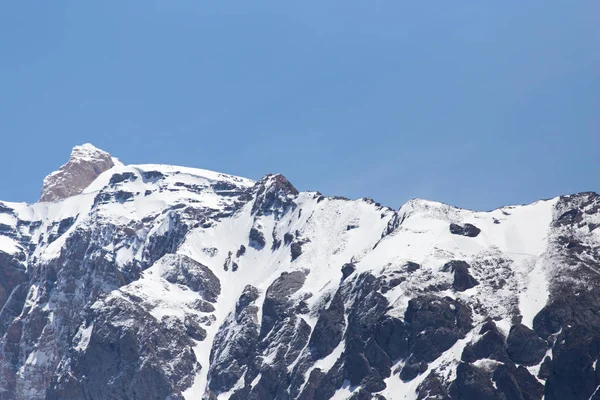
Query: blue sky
{"points": [[477, 104]]}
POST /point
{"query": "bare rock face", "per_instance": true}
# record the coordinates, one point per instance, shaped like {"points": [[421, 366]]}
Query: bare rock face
{"points": [[84, 166]]}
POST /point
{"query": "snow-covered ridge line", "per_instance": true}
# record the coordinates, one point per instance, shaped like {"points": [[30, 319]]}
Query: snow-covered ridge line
{"points": [[220, 287]]}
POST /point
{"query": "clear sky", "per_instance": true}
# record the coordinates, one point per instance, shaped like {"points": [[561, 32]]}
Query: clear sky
{"points": [[474, 103]]}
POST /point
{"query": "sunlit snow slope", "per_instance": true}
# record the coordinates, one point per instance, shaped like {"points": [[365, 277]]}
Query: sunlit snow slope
{"points": [[163, 282]]}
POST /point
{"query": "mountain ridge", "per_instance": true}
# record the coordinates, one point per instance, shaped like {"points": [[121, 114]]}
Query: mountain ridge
{"points": [[160, 282]]}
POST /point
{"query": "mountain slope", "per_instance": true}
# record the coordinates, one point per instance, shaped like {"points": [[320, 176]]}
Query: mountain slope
{"points": [[156, 282]]}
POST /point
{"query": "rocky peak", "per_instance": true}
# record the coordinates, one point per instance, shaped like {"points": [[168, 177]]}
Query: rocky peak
{"points": [[84, 166], [279, 183], [274, 194]]}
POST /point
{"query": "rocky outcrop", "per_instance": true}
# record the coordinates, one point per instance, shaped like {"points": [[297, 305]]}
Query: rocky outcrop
{"points": [[274, 195], [524, 346], [491, 344], [84, 166], [462, 278], [183, 270], [121, 352], [347, 270], [468, 230]]}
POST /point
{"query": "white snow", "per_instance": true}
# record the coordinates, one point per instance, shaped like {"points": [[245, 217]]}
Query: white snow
{"points": [[83, 337], [37, 358], [8, 245], [7, 219], [535, 294]]}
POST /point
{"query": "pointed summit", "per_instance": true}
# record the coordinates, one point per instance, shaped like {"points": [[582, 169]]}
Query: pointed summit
{"points": [[86, 163]]}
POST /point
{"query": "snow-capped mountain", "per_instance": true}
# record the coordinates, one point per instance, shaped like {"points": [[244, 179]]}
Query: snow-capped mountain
{"points": [[163, 282]]}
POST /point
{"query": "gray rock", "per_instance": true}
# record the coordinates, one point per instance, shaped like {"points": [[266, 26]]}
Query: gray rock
{"points": [[347, 270], [468, 230], [462, 278], [276, 305], [436, 323], [124, 355], [84, 166], [296, 250], [177, 268], [473, 383], [490, 345], [524, 346], [256, 239], [274, 195], [328, 329]]}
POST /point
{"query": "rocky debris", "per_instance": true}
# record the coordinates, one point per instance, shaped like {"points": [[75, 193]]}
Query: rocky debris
{"points": [[84, 166], [412, 370], [468, 230], [362, 394]]}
